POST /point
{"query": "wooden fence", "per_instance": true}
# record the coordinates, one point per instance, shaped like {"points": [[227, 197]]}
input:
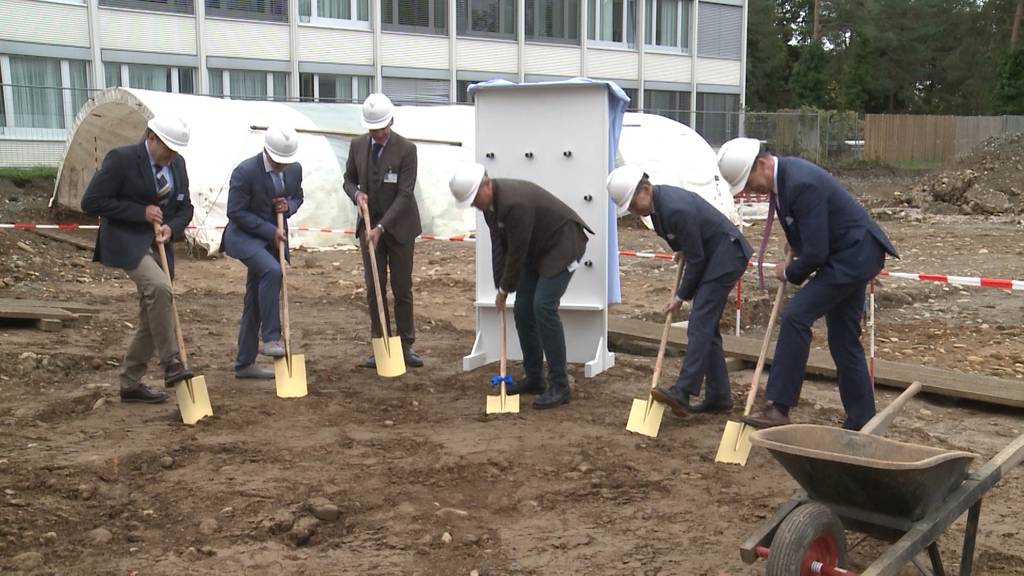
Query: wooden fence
{"points": [[929, 138]]}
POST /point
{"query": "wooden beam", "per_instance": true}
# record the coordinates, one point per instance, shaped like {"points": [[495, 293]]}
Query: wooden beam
{"points": [[887, 373], [76, 308], [34, 313], [80, 243]]}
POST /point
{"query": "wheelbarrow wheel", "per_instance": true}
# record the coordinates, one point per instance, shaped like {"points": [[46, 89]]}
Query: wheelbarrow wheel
{"points": [[810, 534]]}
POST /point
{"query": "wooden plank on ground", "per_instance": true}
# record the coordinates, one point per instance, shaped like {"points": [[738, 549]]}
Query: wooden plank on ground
{"points": [[887, 373], [73, 307], [34, 313], [67, 238]]}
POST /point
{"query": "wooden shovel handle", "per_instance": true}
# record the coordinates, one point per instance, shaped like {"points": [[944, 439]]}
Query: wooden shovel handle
{"points": [[664, 331], [174, 308], [752, 395], [376, 278], [286, 331], [501, 344]]}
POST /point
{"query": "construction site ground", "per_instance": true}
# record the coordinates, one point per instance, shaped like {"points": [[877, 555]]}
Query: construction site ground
{"points": [[408, 475]]}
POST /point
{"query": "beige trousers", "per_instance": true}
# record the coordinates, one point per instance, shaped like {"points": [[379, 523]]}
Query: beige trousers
{"points": [[155, 329]]}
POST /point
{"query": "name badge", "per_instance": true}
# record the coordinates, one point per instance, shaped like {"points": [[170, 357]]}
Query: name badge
{"points": [[391, 177], [181, 197]]}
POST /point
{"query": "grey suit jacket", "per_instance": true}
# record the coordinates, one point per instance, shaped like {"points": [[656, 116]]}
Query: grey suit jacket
{"points": [[119, 193], [391, 204], [530, 226]]}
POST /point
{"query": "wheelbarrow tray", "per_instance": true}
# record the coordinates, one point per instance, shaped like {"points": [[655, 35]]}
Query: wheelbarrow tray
{"points": [[865, 472]]}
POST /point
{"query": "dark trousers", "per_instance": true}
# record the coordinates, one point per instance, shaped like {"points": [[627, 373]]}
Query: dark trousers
{"points": [[704, 357], [539, 326], [842, 306], [261, 311], [397, 259]]}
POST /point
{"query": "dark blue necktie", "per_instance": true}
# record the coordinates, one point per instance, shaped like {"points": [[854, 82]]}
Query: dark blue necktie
{"points": [[377, 149]]}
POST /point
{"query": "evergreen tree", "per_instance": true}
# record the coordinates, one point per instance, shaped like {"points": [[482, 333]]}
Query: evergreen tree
{"points": [[1010, 90]]}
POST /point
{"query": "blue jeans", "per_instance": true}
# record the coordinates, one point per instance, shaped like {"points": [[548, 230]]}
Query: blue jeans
{"points": [[261, 310], [539, 326]]}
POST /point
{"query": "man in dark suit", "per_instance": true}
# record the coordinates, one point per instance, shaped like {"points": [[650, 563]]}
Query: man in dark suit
{"points": [[716, 256], [137, 187], [537, 243], [832, 237], [268, 184], [380, 175]]}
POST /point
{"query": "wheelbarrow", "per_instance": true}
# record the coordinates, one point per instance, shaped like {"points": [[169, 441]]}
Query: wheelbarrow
{"points": [[903, 494]]}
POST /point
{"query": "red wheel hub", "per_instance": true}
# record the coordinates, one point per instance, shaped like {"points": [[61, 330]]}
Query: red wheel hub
{"points": [[824, 550]]}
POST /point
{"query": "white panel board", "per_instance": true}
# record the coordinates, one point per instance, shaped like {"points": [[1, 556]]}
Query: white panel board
{"points": [[148, 31], [487, 56], [27, 153], [514, 139], [714, 71], [667, 67], [611, 64], [335, 46], [411, 51], [553, 60], [237, 39], [44, 23]]}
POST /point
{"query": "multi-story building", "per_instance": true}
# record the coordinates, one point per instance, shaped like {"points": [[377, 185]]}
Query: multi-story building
{"points": [[686, 61]]}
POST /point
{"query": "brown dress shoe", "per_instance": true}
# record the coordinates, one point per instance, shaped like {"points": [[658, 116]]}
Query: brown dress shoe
{"points": [[769, 417], [678, 404]]}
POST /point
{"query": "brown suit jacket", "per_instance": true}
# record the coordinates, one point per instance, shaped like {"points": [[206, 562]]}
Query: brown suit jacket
{"points": [[530, 226], [392, 205]]}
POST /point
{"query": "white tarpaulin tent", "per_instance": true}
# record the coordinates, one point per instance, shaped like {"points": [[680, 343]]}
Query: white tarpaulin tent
{"points": [[222, 137]]}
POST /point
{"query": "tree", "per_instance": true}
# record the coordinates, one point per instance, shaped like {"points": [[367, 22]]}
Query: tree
{"points": [[1015, 34], [769, 58], [1010, 90], [809, 81]]}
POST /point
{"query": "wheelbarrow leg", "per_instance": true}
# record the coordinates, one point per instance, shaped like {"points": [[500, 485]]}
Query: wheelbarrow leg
{"points": [[936, 558], [970, 537]]}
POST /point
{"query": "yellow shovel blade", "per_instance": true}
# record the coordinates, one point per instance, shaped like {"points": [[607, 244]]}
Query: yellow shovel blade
{"points": [[389, 365], [193, 400], [507, 404], [735, 445], [291, 382], [645, 417]]}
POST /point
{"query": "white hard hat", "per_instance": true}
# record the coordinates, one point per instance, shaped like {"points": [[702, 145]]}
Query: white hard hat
{"points": [[377, 111], [621, 185], [736, 159], [171, 130], [465, 183], [281, 144]]}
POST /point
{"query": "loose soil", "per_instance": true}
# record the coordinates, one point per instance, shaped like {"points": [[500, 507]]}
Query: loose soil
{"points": [[423, 481]]}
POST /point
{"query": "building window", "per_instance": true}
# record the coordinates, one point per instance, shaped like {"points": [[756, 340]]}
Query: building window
{"points": [[42, 93], [719, 31], [633, 94], [176, 6], [553, 20], [424, 16], [177, 79], [417, 91], [271, 10], [612, 21], [718, 117], [668, 103], [462, 91], [249, 84], [334, 11], [334, 87], [668, 23], [490, 18]]}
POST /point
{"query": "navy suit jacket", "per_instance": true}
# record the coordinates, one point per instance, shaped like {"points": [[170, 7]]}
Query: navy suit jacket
{"points": [[251, 217], [119, 193], [697, 229], [829, 232]]}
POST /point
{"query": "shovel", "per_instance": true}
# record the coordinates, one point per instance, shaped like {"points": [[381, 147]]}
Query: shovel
{"points": [[193, 399], [387, 350], [502, 403], [290, 371], [645, 416], [735, 445]]}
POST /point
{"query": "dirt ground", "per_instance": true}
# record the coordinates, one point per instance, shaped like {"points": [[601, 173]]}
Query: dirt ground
{"points": [[421, 481]]}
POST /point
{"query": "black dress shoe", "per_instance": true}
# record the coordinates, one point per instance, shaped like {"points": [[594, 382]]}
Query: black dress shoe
{"points": [[371, 362], [176, 372], [412, 359], [678, 402], [554, 397], [712, 406], [526, 386], [143, 394]]}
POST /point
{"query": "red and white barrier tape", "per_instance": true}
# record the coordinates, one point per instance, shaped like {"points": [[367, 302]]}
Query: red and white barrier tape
{"points": [[975, 281]]}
